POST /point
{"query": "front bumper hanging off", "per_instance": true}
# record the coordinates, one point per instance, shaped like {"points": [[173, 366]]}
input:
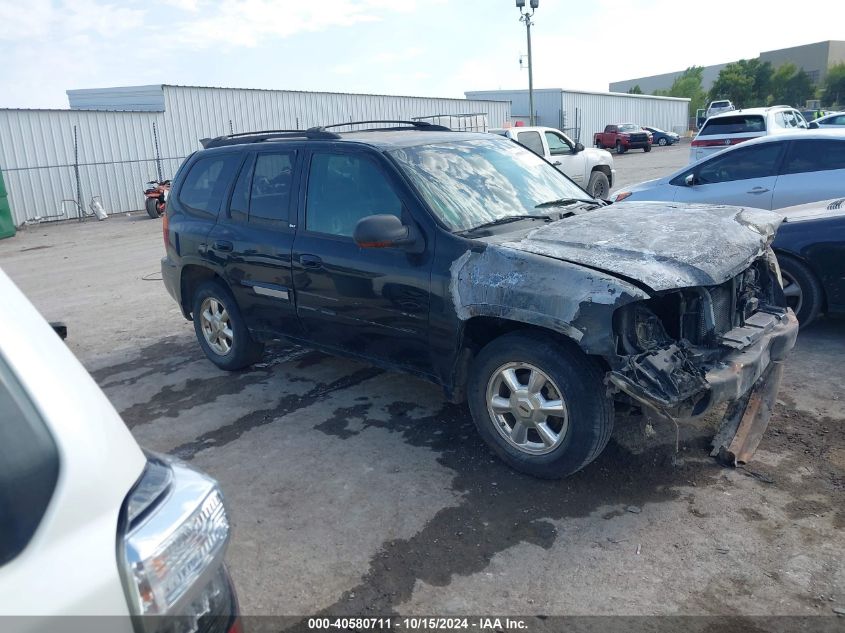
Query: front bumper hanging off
{"points": [[748, 378]]}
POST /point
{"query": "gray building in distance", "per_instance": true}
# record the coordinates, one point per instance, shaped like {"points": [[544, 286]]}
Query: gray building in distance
{"points": [[815, 59]]}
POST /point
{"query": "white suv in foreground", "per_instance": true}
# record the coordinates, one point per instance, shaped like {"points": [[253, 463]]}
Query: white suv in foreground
{"points": [[730, 128], [90, 525]]}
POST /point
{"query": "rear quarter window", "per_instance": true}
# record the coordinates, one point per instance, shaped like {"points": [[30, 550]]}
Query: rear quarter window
{"points": [[206, 183], [29, 467], [532, 141], [736, 124]]}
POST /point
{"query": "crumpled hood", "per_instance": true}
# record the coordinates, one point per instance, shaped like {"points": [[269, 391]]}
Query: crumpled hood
{"points": [[661, 245]]}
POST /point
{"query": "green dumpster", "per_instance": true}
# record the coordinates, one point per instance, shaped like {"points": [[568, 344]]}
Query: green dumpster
{"points": [[7, 226]]}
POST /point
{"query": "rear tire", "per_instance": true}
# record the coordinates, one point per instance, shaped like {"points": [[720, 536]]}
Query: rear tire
{"points": [[620, 149], [599, 185], [221, 330], [152, 208], [802, 289], [599, 145], [551, 375]]}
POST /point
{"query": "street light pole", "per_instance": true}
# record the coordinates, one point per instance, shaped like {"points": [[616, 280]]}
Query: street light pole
{"points": [[524, 16]]}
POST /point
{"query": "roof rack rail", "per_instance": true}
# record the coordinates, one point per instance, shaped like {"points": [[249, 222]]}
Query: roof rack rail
{"points": [[417, 125], [266, 135]]}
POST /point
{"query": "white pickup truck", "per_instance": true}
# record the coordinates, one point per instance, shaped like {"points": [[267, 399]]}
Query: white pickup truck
{"points": [[591, 169]]}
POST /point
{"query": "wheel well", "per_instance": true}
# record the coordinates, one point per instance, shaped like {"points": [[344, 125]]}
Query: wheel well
{"points": [[605, 169], [781, 255], [192, 276], [479, 331]]}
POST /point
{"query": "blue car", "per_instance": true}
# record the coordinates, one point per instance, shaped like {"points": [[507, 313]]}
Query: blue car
{"points": [[810, 247], [662, 137]]}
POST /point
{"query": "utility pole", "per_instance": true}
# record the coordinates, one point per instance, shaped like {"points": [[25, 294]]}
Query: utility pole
{"points": [[525, 17]]}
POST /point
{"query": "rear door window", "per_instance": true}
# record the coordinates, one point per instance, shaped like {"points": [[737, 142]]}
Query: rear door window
{"points": [[734, 124], [532, 141], [557, 144], [29, 467], [759, 161], [207, 182], [815, 155]]}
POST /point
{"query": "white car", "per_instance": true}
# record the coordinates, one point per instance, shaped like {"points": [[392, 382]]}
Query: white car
{"points": [[590, 168], [834, 119], [90, 525], [717, 107], [731, 128], [769, 173]]}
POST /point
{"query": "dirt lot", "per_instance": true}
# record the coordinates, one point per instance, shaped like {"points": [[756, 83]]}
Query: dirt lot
{"points": [[354, 490]]}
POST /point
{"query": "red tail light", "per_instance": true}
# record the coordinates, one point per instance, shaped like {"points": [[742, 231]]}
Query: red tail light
{"points": [[722, 142]]}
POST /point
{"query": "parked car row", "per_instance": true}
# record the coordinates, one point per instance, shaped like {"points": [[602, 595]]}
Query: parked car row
{"points": [[800, 174]]}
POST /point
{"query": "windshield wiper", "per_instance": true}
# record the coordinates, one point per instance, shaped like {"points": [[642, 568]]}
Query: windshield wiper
{"points": [[565, 202], [507, 220]]}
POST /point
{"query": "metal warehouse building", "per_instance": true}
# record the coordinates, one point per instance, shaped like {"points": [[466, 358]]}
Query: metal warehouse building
{"points": [[581, 113], [113, 140]]}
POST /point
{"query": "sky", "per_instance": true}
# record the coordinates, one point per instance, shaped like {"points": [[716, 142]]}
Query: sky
{"points": [[402, 47]]}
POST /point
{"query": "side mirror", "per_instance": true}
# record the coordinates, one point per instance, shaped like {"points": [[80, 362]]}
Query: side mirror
{"points": [[689, 180], [383, 231], [579, 147], [813, 125]]}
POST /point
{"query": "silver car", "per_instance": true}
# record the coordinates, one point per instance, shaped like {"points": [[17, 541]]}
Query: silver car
{"points": [[770, 172], [834, 119]]}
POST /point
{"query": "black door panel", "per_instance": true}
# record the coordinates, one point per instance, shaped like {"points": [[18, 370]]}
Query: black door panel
{"points": [[368, 301]]}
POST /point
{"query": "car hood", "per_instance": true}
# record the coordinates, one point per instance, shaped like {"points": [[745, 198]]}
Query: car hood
{"points": [[814, 210], [659, 245]]}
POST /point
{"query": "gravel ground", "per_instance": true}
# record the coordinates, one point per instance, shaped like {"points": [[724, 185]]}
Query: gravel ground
{"points": [[354, 490]]}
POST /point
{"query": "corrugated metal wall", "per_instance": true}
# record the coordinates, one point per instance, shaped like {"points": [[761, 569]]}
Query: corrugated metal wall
{"points": [[558, 108], [117, 149], [116, 156]]}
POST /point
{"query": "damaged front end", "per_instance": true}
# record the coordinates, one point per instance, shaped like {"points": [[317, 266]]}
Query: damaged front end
{"points": [[685, 351]]}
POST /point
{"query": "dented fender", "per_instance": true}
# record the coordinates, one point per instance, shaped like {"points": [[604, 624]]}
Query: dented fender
{"points": [[576, 301]]}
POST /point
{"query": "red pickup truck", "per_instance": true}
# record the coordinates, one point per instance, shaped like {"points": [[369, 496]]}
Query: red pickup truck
{"points": [[623, 137]]}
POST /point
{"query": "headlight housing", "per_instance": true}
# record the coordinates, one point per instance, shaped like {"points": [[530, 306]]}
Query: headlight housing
{"points": [[171, 550]]}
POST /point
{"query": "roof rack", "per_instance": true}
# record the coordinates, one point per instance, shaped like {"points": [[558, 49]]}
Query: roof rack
{"points": [[417, 125], [266, 135]]}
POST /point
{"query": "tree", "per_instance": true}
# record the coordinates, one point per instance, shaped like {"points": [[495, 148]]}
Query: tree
{"points": [[636, 90], [834, 85], [688, 85], [791, 85], [735, 84]]}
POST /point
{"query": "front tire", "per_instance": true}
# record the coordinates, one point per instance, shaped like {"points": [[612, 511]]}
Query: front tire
{"points": [[663, 142], [599, 185], [620, 149], [221, 330], [647, 148], [540, 404], [802, 289]]}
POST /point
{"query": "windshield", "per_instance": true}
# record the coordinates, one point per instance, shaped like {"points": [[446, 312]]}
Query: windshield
{"points": [[628, 127], [470, 183]]}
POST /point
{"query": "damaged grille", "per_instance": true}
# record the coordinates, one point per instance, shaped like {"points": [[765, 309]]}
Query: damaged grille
{"points": [[700, 316]]}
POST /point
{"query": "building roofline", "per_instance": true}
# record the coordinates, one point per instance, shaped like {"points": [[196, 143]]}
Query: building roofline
{"points": [[586, 92]]}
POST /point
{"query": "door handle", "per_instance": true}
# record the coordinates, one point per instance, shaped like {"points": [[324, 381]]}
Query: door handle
{"points": [[224, 246], [758, 190], [310, 261]]}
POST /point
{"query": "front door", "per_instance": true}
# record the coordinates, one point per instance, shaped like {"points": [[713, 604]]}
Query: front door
{"points": [[369, 301], [563, 156], [743, 177]]}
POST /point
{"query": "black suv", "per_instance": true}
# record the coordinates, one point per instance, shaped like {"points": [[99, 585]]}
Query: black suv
{"points": [[471, 261]]}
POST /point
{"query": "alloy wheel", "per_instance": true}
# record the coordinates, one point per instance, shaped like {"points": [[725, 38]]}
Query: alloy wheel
{"points": [[216, 326]]}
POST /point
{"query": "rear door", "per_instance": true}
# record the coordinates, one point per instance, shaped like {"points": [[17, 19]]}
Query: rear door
{"points": [[252, 240], [368, 301], [814, 169], [562, 155], [744, 177]]}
